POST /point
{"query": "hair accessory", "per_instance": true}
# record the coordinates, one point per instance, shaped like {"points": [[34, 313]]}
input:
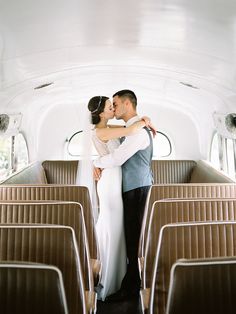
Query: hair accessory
{"points": [[99, 104]]}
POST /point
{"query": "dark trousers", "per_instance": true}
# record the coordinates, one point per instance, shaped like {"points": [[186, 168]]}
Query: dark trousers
{"points": [[134, 204]]}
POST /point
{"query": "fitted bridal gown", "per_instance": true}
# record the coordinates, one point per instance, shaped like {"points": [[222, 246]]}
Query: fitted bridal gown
{"points": [[110, 225]]}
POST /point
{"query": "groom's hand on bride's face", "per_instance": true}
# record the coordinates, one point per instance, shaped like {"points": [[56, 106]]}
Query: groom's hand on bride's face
{"points": [[97, 172]]}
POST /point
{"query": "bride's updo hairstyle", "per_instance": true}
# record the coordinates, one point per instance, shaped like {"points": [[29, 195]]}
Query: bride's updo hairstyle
{"points": [[96, 106]]}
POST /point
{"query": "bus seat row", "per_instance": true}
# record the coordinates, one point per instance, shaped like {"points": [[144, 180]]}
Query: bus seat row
{"points": [[180, 205], [180, 211], [21, 211], [187, 240], [55, 213], [58, 205], [175, 179], [73, 193], [164, 171], [188, 190]]}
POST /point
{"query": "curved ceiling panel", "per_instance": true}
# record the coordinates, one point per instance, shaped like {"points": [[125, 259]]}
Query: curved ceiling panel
{"points": [[182, 52]]}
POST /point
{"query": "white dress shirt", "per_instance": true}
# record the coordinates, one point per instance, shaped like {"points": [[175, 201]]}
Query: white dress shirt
{"points": [[128, 148]]}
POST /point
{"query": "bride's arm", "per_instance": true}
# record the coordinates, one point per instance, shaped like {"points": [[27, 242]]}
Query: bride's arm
{"points": [[115, 126], [106, 134]]}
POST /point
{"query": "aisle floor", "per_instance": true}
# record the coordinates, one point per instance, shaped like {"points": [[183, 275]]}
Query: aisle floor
{"points": [[126, 307]]}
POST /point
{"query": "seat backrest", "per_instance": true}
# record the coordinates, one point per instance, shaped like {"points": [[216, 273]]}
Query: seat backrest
{"points": [[181, 210], [74, 193], [172, 171], [31, 288], [205, 172], [198, 240], [53, 245], [31, 174], [193, 190], [60, 171], [57, 213], [164, 171], [205, 286]]}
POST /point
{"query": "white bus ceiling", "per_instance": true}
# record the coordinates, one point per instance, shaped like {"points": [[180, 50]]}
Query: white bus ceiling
{"points": [[178, 56]]}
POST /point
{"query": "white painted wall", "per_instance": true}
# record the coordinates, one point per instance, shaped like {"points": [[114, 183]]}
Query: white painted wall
{"points": [[150, 47]]}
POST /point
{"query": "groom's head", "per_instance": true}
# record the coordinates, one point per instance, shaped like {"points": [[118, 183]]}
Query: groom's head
{"points": [[125, 103]]}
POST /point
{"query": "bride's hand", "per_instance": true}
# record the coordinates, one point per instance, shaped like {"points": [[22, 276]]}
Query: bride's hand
{"points": [[148, 124], [97, 172]]}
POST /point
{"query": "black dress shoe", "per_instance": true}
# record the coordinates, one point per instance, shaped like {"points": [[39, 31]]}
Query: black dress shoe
{"points": [[122, 295]]}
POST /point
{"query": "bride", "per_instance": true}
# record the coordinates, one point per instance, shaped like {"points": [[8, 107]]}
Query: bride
{"points": [[109, 226]]}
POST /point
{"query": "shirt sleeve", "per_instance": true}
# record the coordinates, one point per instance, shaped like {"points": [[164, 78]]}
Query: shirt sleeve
{"points": [[128, 148]]}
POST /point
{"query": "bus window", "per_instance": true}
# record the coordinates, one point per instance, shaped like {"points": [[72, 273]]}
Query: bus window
{"points": [[13, 154], [230, 157], [75, 145], [161, 146], [5, 157], [20, 152], [223, 154], [214, 152]]}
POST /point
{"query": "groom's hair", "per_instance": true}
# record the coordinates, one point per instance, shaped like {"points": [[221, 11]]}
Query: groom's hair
{"points": [[126, 93]]}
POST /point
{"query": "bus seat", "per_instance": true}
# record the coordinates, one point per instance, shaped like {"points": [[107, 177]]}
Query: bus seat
{"points": [[31, 288], [205, 286], [172, 171], [60, 171], [203, 172], [32, 174], [49, 244], [187, 171], [189, 240]]}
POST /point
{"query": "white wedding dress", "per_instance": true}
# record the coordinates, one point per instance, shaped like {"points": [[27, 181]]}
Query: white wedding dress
{"points": [[110, 224]]}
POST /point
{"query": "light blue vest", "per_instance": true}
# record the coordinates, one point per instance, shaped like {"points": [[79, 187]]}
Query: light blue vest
{"points": [[136, 171]]}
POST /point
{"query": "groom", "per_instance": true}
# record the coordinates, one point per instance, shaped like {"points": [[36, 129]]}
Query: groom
{"points": [[135, 155]]}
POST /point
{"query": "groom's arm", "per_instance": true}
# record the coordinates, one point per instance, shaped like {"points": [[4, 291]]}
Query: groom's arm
{"points": [[128, 148]]}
